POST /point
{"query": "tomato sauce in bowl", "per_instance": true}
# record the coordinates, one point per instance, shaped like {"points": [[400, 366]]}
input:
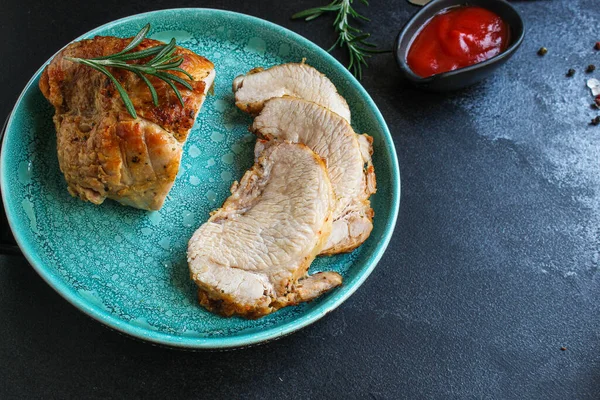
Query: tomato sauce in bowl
{"points": [[456, 38]]}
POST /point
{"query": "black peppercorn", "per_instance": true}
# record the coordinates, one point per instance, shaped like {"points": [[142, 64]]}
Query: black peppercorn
{"points": [[597, 46], [590, 68], [570, 72], [596, 121], [542, 51]]}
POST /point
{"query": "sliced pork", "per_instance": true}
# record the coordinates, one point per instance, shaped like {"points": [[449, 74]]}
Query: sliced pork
{"points": [[293, 79], [251, 257], [347, 155]]}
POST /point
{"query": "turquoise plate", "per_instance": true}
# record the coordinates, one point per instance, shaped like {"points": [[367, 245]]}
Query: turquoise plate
{"points": [[126, 267]]}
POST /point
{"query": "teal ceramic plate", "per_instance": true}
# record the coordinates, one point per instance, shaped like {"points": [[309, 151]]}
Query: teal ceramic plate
{"points": [[126, 267]]}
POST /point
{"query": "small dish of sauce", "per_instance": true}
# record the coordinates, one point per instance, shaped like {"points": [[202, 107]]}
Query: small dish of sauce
{"points": [[455, 38], [452, 44]]}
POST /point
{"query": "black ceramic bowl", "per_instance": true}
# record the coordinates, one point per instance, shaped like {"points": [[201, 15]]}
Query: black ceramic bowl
{"points": [[466, 76]]}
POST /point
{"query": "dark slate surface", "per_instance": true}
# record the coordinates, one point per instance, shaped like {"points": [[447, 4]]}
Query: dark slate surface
{"points": [[492, 268]]}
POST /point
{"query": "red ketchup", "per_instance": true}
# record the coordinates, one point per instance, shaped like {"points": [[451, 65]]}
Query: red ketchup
{"points": [[456, 38]]}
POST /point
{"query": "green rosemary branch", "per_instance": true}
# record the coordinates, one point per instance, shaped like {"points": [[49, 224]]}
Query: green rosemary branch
{"points": [[354, 39], [159, 66]]}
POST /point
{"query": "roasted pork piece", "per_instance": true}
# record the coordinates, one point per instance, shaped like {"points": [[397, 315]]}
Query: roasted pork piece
{"points": [[103, 152]]}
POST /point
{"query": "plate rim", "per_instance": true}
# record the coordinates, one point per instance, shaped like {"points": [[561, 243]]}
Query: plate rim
{"points": [[235, 341]]}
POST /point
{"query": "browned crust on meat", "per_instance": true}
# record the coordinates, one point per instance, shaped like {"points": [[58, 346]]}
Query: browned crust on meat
{"points": [[114, 160], [227, 307], [69, 86]]}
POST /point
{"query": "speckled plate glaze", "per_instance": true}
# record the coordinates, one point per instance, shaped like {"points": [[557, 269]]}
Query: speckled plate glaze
{"points": [[126, 267]]}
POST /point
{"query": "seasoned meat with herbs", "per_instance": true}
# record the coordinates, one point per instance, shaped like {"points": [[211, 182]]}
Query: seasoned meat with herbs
{"points": [[102, 151]]}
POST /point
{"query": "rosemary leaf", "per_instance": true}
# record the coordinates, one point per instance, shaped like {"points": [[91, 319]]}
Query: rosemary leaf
{"points": [[150, 86], [183, 71], [165, 52], [133, 44], [316, 10], [176, 92], [170, 77], [136, 40], [170, 65], [314, 16], [137, 55]]}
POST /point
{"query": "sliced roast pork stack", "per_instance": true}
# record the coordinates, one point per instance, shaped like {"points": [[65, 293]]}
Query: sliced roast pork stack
{"points": [[102, 151], [293, 79], [347, 155], [251, 257]]}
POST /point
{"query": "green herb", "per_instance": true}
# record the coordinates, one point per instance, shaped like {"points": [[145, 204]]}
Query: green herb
{"points": [[354, 39], [159, 66]]}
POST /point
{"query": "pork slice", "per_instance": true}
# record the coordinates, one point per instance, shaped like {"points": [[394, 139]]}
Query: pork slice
{"points": [[347, 155], [293, 79], [252, 256]]}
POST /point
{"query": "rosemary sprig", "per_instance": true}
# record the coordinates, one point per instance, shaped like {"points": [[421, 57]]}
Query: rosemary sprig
{"points": [[354, 39], [159, 66]]}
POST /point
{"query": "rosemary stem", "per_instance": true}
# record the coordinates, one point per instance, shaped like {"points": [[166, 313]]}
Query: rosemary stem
{"points": [[350, 37]]}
